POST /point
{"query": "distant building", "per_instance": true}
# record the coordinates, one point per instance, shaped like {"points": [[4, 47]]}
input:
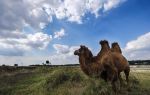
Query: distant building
{"points": [[15, 65]]}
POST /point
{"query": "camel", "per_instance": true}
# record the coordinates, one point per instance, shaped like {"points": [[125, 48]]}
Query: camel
{"points": [[88, 62], [114, 55], [115, 47], [91, 66], [106, 64], [105, 49]]}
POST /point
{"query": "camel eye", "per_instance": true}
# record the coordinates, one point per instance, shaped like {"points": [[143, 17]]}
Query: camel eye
{"points": [[80, 50]]}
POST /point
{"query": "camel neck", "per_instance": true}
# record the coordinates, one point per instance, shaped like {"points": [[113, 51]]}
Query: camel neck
{"points": [[103, 51], [90, 66], [84, 64], [105, 47], [84, 61]]}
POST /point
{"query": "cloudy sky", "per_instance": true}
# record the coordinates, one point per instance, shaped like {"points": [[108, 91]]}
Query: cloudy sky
{"points": [[32, 31]]}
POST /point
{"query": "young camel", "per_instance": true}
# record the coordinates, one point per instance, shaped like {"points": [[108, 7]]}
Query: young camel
{"points": [[114, 57], [91, 66]]}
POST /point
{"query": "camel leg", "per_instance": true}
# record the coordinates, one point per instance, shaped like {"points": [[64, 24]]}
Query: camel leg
{"points": [[127, 78], [120, 79], [114, 83], [113, 77], [104, 75], [114, 87], [126, 71]]}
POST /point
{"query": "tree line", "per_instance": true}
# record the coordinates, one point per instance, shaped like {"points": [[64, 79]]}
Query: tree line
{"points": [[139, 62]]}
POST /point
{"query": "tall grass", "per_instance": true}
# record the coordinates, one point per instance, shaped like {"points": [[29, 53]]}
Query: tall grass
{"points": [[67, 81]]}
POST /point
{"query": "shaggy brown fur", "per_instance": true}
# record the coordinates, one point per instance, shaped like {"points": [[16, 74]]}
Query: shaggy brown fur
{"points": [[115, 47], [116, 58], [106, 64], [88, 62], [91, 66], [104, 49]]}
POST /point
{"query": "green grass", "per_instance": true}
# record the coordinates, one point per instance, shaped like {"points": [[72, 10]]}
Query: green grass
{"points": [[67, 81]]}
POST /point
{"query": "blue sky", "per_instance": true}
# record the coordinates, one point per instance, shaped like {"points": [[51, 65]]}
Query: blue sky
{"points": [[121, 24], [54, 29]]}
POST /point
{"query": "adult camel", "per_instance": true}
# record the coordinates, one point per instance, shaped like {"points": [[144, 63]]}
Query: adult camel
{"points": [[92, 67], [114, 57]]}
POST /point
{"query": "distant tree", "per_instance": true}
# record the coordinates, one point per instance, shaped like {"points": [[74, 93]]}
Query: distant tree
{"points": [[47, 62], [15, 65]]}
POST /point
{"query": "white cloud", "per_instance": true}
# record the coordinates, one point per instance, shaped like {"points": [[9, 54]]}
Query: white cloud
{"points": [[109, 4], [74, 10], [59, 34], [61, 48], [64, 54], [16, 43], [14, 15], [139, 48], [64, 49], [59, 57], [38, 13]]}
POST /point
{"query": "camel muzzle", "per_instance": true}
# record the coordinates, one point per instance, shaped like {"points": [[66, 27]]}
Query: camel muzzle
{"points": [[76, 52]]}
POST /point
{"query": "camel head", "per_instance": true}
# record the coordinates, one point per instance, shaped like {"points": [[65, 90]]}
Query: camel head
{"points": [[104, 43], [114, 44], [83, 51], [115, 47]]}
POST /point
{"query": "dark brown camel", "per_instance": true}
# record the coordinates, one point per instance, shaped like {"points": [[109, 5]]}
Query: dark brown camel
{"points": [[116, 58], [88, 62], [105, 49], [91, 66], [115, 47]]}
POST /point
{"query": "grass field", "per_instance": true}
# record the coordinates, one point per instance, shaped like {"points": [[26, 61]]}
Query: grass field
{"points": [[68, 81]]}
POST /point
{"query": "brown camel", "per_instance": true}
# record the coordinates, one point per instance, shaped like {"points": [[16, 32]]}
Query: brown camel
{"points": [[105, 49], [88, 62], [115, 47], [109, 57], [91, 66]]}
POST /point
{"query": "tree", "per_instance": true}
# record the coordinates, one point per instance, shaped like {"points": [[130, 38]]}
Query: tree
{"points": [[47, 62], [16, 65]]}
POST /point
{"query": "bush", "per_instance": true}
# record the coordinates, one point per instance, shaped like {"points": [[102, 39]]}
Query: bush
{"points": [[97, 87], [56, 78]]}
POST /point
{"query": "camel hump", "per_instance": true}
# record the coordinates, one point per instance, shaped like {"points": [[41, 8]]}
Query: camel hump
{"points": [[120, 61], [115, 47], [103, 42]]}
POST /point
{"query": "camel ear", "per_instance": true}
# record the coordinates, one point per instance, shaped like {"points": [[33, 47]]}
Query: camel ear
{"points": [[82, 46], [105, 41], [101, 42], [115, 43]]}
